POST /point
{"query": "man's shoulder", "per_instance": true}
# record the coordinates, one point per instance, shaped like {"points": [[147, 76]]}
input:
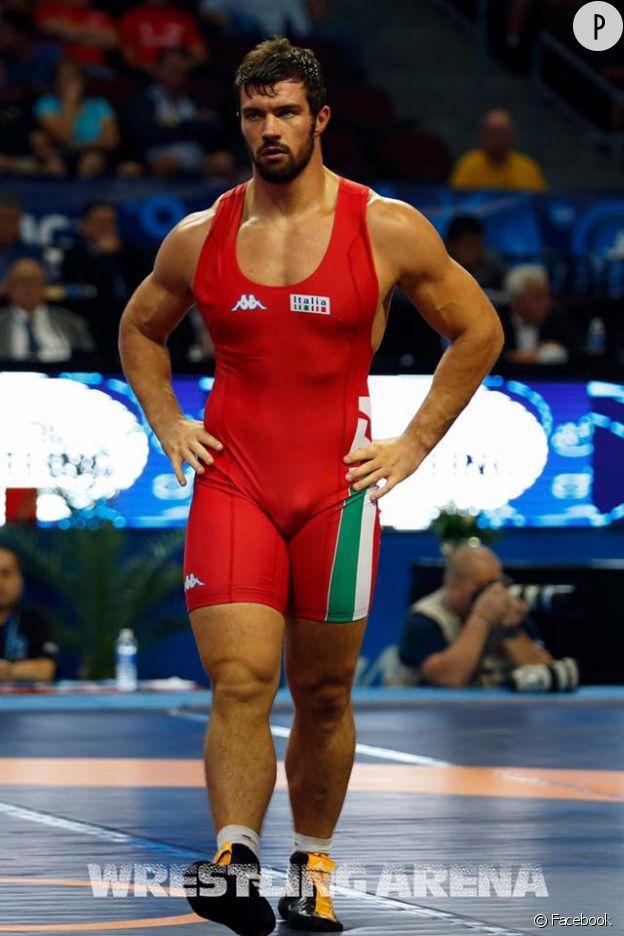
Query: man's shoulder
{"points": [[32, 615], [62, 316], [470, 160], [523, 161], [199, 223], [391, 216]]}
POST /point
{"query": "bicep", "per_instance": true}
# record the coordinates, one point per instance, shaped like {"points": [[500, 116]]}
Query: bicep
{"points": [[164, 297]]}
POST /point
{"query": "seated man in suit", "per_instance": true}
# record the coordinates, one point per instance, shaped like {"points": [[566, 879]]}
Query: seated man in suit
{"points": [[534, 334], [471, 631], [30, 329]]}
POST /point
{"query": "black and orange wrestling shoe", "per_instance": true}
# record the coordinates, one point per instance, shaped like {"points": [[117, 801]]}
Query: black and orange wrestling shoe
{"points": [[241, 908], [307, 904]]}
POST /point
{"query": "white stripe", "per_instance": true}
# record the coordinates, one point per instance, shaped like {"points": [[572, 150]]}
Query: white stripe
{"points": [[278, 731], [403, 757], [365, 557], [70, 825]]}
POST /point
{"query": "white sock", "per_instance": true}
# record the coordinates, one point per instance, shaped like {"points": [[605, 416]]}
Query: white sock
{"points": [[304, 843], [239, 835]]}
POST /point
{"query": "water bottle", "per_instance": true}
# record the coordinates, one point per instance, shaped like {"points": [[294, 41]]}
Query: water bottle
{"points": [[126, 668], [596, 337]]}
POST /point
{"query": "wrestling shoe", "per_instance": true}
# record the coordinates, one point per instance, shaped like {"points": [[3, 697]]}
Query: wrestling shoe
{"points": [[310, 908], [249, 915]]}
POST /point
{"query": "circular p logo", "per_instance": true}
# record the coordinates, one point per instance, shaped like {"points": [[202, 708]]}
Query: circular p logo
{"points": [[598, 26]]}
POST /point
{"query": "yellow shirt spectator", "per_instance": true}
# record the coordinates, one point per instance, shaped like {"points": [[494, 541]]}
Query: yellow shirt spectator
{"points": [[475, 170]]}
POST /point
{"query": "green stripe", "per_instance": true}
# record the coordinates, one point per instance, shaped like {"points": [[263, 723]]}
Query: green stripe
{"points": [[342, 587]]}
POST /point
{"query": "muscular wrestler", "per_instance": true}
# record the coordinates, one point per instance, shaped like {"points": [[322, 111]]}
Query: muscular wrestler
{"points": [[293, 273]]}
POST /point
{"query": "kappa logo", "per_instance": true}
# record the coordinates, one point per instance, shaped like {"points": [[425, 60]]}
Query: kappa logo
{"points": [[191, 581], [319, 304], [247, 303]]}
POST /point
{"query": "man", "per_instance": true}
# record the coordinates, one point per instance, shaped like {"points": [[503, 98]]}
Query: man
{"points": [[533, 333], [114, 268], [12, 247], [32, 330], [27, 648], [172, 130], [293, 273], [30, 63], [465, 242], [471, 630], [86, 34], [496, 165], [148, 28]]}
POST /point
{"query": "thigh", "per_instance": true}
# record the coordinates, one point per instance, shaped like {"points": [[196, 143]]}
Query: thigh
{"points": [[333, 562], [233, 552], [240, 644]]}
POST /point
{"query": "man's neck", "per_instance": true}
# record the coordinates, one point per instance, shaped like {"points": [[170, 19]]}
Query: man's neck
{"points": [[312, 187], [498, 159], [5, 614]]}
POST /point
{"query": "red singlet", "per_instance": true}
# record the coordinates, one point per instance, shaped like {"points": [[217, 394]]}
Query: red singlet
{"points": [[273, 520]]}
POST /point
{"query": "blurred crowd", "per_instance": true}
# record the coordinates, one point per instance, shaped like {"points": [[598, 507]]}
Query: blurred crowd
{"points": [[91, 89], [126, 90], [75, 316]]}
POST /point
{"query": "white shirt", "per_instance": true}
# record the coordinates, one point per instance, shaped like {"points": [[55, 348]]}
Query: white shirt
{"points": [[528, 339], [527, 335], [53, 344]]}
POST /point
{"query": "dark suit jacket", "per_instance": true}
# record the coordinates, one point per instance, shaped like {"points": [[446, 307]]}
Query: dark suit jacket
{"points": [[555, 328], [72, 326]]}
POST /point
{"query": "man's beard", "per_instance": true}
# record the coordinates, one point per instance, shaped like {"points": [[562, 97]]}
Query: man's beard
{"points": [[289, 168]]}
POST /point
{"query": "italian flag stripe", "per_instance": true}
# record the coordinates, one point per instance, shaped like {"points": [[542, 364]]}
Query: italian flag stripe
{"points": [[350, 581]]}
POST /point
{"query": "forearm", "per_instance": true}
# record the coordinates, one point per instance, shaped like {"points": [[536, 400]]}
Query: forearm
{"points": [[147, 366], [39, 670], [457, 377], [61, 128], [522, 651], [455, 666]]}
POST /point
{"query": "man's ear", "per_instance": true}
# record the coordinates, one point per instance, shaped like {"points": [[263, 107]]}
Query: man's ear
{"points": [[322, 119]]}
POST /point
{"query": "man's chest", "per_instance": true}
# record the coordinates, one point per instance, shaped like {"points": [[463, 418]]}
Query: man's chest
{"points": [[281, 255]]}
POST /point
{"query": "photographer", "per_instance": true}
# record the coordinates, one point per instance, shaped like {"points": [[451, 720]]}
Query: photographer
{"points": [[471, 631]]}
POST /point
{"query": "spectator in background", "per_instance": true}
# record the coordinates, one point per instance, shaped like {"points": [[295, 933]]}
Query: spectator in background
{"points": [[86, 34], [30, 65], [30, 329], [470, 631], [496, 165], [534, 334], [174, 131], [16, 127], [12, 247], [465, 241], [147, 30], [114, 268], [27, 648], [84, 129], [265, 18]]}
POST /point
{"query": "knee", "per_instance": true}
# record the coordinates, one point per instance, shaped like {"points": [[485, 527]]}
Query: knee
{"points": [[326, 701], [237, 685]]}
